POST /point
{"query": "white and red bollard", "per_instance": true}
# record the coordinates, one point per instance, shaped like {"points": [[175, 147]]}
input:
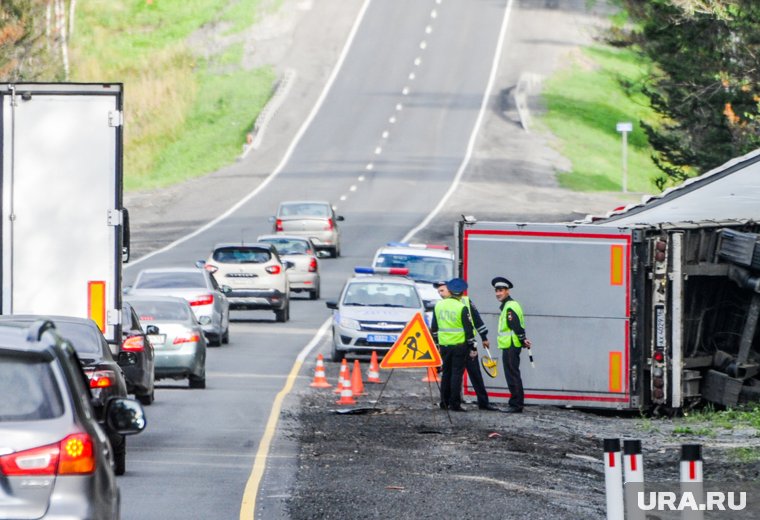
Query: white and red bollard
{"points": [[633, 468], [613, 479], [692, 478]]}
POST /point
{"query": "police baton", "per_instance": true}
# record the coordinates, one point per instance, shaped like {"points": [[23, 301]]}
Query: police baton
{"points": [[530, 357]]}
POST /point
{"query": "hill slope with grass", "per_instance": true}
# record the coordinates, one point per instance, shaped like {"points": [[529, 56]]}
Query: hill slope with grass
{"points": [[191, 96]]}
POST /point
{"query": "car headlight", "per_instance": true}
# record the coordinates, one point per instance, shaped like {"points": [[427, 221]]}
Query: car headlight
{"points": [[204, 320], [348, 323]]}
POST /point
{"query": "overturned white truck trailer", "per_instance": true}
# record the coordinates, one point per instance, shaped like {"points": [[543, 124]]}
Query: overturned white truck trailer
{"points": [[634, 311], [62, 218]]}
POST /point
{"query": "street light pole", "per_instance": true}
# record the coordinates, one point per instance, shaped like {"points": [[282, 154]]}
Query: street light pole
{"points": [[624, 128]]}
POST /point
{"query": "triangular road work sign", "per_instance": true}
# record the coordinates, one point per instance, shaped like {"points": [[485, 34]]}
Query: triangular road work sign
{"points": [[414, 348]]}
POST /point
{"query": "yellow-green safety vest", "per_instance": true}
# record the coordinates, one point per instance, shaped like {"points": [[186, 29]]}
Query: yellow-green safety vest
{"points": [[448, 315], [507, 337], [466, 301]]}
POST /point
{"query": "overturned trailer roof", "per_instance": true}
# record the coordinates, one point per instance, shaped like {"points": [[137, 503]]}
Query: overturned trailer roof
{"points": [[729, 192]]}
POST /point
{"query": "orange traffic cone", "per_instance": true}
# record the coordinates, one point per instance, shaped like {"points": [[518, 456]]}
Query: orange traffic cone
{"points": [[357, 386], [373, 374], [320, 381], [346, 395], [432, 376], [342, 376]]}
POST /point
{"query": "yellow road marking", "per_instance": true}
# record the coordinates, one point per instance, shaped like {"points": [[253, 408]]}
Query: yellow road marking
{"points": [[248, 506]]}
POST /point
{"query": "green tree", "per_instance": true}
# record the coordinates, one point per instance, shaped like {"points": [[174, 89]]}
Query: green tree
{"points": [[707, 84], [25, 48]]}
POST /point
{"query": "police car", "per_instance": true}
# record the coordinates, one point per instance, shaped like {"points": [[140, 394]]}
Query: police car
{"points": [[374, 307], [426, 263]]}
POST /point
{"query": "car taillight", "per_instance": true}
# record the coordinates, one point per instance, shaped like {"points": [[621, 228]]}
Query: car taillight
{"points": [[37, 461], [274, 269], [72, 456], [101, 378], [206, 299], [77, 455], [329, 226], [133, 344], [313, 265], [278, 225], [187, 338]]}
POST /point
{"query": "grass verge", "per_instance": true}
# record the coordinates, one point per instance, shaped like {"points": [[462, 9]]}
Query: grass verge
{"points": [[584, 102], [187, 109]]}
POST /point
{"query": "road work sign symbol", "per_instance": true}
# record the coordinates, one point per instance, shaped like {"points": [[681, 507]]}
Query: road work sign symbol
{"points": [[414, 348]]}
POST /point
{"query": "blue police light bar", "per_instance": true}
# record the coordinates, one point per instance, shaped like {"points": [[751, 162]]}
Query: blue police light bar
{"points": [[381, 270], [417, 246]]}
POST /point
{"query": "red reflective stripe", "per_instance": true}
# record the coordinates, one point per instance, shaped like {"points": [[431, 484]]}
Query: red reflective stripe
{"points": [[692, 470], [633, 462], [612, 459]]}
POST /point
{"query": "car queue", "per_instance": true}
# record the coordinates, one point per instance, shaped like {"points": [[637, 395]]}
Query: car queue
{"points": [[170, 317]]}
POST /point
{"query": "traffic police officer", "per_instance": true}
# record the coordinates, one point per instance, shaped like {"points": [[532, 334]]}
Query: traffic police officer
{"points": [[453, 333], [472, 365], [511, 340]]}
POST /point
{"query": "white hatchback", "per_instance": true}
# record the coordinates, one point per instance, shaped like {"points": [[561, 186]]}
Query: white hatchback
{"points": [[255, 274]]}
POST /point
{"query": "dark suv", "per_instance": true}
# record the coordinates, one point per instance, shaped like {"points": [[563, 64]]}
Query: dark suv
{"points": [[105, 375], [55, 459], [141, 377]]}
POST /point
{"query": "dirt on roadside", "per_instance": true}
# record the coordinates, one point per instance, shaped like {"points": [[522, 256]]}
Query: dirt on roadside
{"points": [[401, 457]]}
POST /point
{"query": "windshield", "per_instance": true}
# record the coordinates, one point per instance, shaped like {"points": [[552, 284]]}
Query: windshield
{"points": [[421, 268], [289, 246], [29, 391], [382, 295], [161, 310], [169, 280], [85, 339], [304, 210], [241, 255]]}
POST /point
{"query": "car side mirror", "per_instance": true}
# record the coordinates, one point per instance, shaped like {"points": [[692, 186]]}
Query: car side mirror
{"points": [[289, 265], [429, 305], [126, 359], [332, 305], [200, 264], [271, 219], [340, 218], [151, 329], [124, 416], [226, 289], [323, 254]]}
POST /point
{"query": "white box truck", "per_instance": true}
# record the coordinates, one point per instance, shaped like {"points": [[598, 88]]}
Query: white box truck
{"points": [[61, 206]]}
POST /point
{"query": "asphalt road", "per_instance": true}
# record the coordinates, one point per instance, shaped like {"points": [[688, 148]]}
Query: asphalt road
{"points": [[384, 148]]}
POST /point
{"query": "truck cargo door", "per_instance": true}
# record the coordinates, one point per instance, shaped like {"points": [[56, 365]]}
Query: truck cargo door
{"points": [[573, 283], [61, 206]]}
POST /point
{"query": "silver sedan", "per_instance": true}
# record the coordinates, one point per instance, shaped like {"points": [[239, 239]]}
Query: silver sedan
{"points": [[304, 276], [177, 338], [207, 299]]}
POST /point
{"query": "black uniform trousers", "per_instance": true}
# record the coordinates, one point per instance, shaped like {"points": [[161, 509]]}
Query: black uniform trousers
{"points": [[510, 358], [476, 378], [454, 358]]}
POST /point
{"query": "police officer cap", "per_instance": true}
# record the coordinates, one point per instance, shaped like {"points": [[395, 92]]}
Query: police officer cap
{"points": [[456, 285], [500, 281], [439, 284]]}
